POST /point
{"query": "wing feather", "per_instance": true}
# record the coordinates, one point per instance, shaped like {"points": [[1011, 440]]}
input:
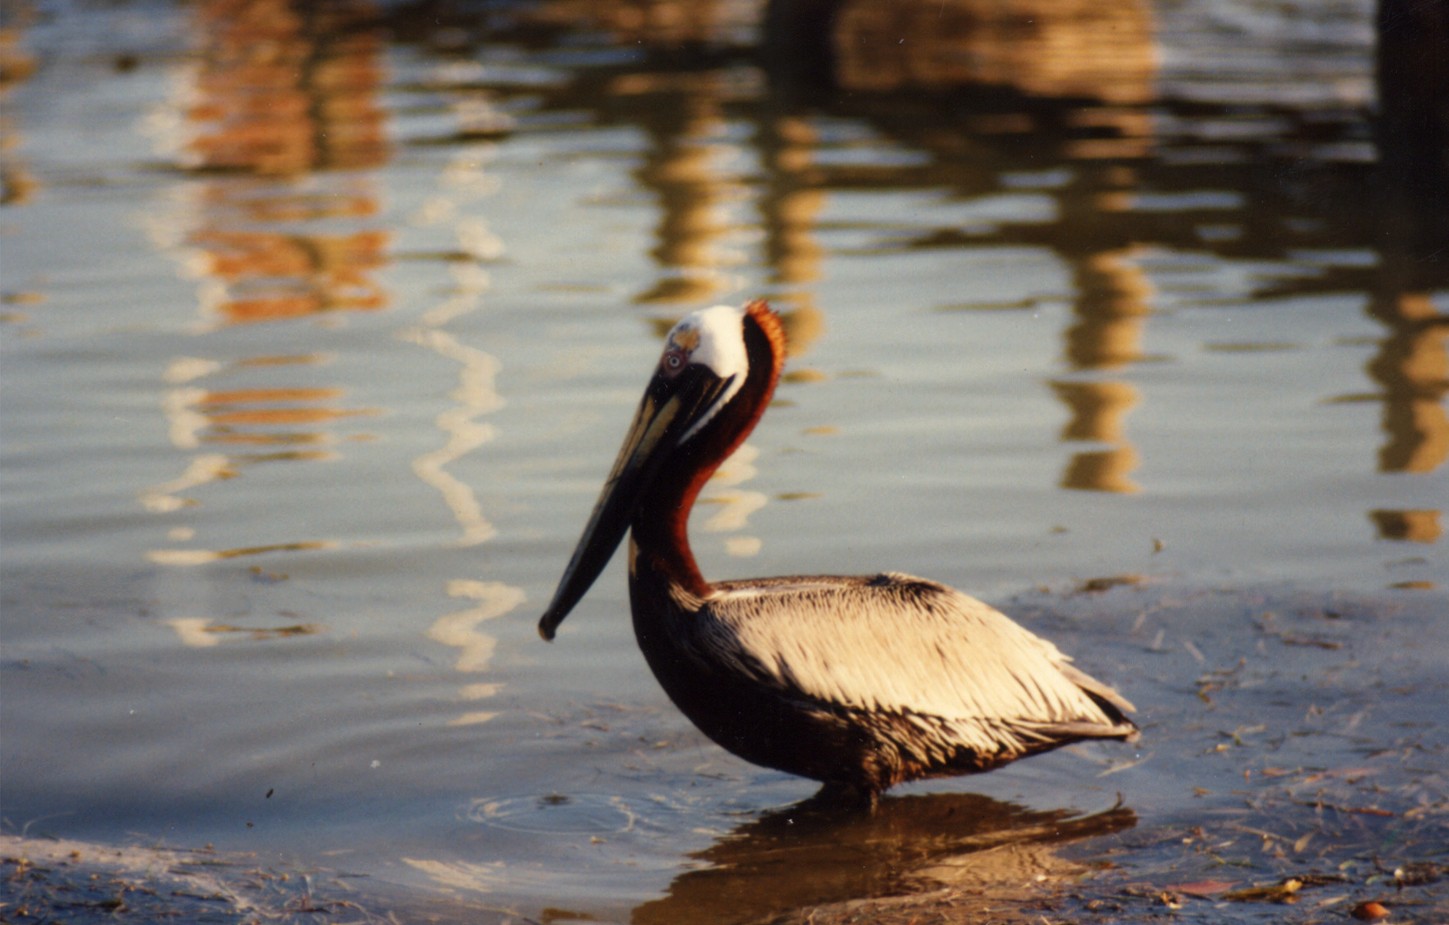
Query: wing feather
{"points": [[904, 645]]}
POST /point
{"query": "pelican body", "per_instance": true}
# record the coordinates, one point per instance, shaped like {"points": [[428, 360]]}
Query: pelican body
{"points": [[858, 682]]}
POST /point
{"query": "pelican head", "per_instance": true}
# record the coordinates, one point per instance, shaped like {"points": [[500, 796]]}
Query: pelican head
{"points": [[717, 371]]}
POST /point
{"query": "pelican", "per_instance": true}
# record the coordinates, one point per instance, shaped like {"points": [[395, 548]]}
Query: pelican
{"points": [[860, 682]]}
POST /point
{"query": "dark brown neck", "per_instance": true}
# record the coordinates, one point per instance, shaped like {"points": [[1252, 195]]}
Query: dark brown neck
{"points": [[661, 523]]}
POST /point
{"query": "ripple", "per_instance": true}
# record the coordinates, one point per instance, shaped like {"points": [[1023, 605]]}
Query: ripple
{"points": [[573, 814], [555, 814]]}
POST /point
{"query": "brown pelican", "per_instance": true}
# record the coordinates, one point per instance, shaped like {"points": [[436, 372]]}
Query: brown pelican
{"points": [[858, 682]]}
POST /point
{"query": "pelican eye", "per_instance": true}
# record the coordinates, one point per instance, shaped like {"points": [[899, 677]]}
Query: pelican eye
{"points": [[674, 361]]}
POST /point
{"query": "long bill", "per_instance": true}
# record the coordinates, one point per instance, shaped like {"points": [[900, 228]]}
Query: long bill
{"points": [[644, 450]]}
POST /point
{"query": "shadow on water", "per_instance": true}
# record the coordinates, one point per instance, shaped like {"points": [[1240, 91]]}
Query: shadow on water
{"points": [[807, 855]]}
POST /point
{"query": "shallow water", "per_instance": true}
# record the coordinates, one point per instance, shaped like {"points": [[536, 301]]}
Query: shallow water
{"points": [[322, 323]]}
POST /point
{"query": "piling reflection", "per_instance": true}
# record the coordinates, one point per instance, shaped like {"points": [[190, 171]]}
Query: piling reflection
{"points": [[692, 169], [17, 184], [282, 92], [276, 127], [1138, 157], [227, 431], [1112, 309], [286, 88], [1051, 48], [806, 856]]}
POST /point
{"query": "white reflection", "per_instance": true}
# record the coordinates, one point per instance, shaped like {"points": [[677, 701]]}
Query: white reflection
{"points": [[735, 510], [475, 395], [193, 632], [461, 875], [460, 630], [208, 467], [735, 507], [477, 392]]}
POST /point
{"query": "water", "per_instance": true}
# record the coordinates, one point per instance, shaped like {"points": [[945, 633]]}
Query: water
{"points": [[322, 323]]}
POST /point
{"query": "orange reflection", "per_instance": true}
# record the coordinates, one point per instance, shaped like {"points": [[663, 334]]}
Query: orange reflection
{"points": [[688, 167], [276, 275], [287, 88], [279, 122], [17, 183], [200, 416], [1098, 409], [1114, 300], [791, 209], [1413, 526], [1413, 368], [284, 90], [1111, 309]]}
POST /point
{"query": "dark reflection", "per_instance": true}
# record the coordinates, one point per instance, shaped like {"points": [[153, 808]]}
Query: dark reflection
{"points": [[807, 855], [1049, 48], [1412, 365]]}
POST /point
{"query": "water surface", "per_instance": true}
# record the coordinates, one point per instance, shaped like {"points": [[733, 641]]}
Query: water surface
{"points": [[323, 321]]}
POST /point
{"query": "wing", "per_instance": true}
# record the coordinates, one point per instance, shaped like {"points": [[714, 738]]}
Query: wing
{"points": [[904, 645]]}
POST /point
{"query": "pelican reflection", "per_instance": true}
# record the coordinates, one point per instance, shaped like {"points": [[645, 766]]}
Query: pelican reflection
{"points": [[805, 855]]}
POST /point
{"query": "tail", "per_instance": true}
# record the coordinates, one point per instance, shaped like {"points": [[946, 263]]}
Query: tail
{"points": [[1113, 705]]}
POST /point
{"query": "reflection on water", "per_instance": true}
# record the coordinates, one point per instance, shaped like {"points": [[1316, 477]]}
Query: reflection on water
{"points": [[17, 184], [201, 633], [460, 630], [282, 91], [284, 88], [1134, 162], [973, 847], [463, 432], [803, 856], [694, 169], [277, 123], [1049, 48], [1412, 367], [1112, 309]]}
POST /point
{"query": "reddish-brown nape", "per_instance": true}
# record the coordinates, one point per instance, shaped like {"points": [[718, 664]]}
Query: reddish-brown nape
{"points": [[774, 331]]}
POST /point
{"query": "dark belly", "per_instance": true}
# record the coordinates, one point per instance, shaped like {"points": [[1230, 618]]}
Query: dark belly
{"points": [[764, 726]]}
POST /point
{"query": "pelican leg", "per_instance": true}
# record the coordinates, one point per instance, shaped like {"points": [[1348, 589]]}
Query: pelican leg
{"points": [[850, 796]]}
